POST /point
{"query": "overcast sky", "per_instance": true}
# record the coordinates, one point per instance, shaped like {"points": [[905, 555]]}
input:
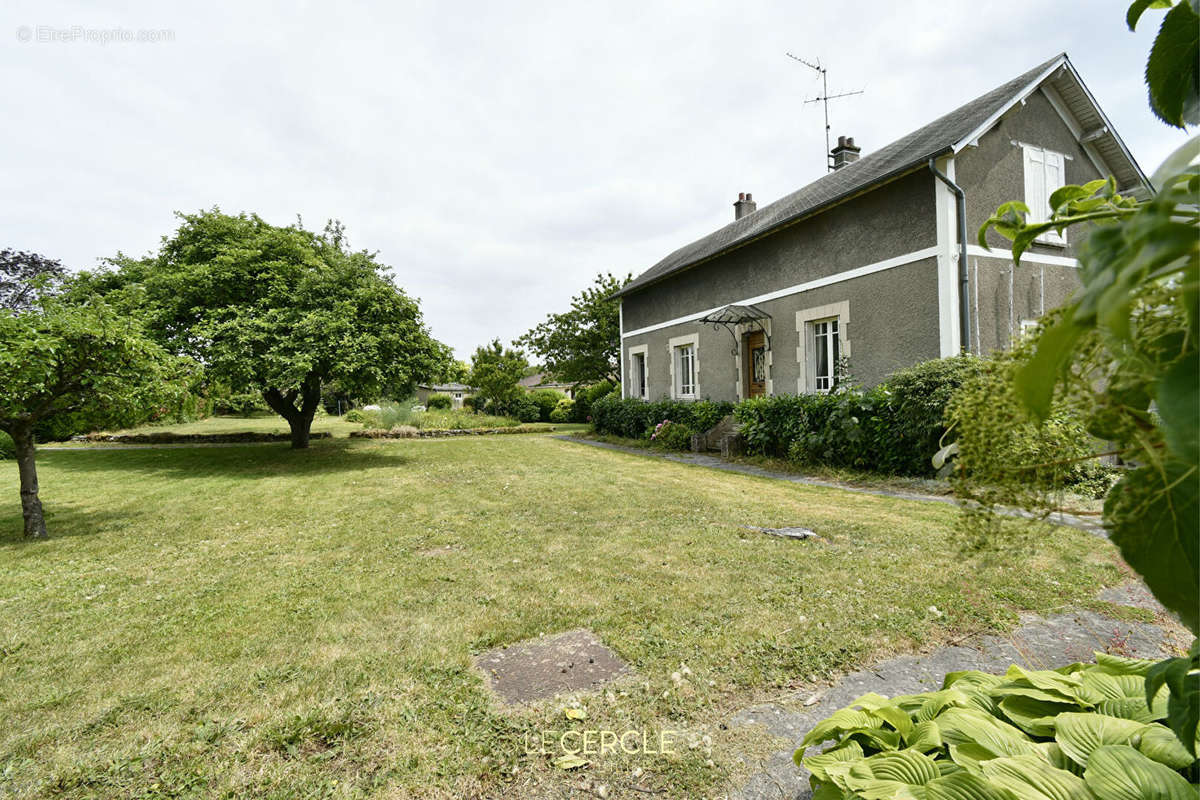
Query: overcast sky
{"points": [[496, 155]]}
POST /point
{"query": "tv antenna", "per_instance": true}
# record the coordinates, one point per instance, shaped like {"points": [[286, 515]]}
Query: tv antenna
{"points": [[824, 99]]}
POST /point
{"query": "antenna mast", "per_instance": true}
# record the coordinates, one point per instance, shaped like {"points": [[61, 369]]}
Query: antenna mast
{"points": [[824, 99]]}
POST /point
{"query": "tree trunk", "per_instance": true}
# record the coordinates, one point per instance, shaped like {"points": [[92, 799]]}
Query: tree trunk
{"points": [[298, 419], [31, 506]]}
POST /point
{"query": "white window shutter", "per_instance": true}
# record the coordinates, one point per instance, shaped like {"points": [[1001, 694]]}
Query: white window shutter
{"points": [[1036, 196]]}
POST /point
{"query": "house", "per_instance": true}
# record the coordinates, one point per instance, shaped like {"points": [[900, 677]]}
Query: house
{"points": [[876, 262], [540, 380], [457, 392]]}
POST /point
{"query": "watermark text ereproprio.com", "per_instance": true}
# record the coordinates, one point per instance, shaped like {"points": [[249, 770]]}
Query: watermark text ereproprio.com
{"points": [[73, 34]]}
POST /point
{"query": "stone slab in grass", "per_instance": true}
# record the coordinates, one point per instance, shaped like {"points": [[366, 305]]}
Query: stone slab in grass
{"points": [[541, 668]]}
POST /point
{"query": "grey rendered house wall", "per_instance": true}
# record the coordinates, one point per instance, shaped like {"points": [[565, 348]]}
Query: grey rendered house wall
{"points": [[889, 310], [890, 326], [992, 174]]}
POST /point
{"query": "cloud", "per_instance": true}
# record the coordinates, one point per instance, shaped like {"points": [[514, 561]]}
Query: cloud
{"points": [[498, 156]]}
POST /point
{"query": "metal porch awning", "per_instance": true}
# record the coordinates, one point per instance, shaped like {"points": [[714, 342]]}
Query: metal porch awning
{"points": [[732, 316]]}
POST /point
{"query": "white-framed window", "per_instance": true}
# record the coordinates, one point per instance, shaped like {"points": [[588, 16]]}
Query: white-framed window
{"points": [[823, 346], [685, 367], [1045, 173], [638, 386], [826, 353], [685, 370]]}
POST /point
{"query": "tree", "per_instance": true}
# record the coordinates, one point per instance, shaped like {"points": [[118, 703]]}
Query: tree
{"points": [[25, 276], [1124, 356], [281, 311], [495, 373], [87, 361], [583, 345]]}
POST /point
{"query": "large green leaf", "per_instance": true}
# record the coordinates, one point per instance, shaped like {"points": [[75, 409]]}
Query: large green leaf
{"points": [[1032, 778], [839, 721], [903, 766], [1153, 517], [924, 737], [1172, 69], [1035, 717], [1035, 380], [962, 786], [1160, 744], [1080, 734], [1121, 665], [1178, 399], [1181, 676], [1117, 772], [967, 726], [887, 710], [818, 764]]}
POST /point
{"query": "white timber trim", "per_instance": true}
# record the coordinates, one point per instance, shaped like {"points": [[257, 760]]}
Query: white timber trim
{"points": [[1060, 107], [1019, 97], [946, 209], [1032, 258], [841, 310], [829, 280], [642, 350], [620, 356], [679, 341]]}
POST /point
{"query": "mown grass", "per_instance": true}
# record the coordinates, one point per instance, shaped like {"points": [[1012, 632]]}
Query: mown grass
{"points": [[256, 621], [259, 423]]}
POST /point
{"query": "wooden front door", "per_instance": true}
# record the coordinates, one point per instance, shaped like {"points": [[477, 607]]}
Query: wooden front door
{"points": [[756, 364]]}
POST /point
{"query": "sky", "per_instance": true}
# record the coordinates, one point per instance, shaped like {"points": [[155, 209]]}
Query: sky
{"points": [[497, 156]]}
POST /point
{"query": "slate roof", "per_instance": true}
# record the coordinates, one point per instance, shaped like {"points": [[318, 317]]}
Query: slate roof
{"points": [[897, 158]]}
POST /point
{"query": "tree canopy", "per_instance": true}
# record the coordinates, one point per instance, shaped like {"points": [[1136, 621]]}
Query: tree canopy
{"points": [[281, 311], [89, 362], [26, 276], [582, 345], [495, 373]]}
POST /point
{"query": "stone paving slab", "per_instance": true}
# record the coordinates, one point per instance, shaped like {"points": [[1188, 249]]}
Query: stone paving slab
{"points": [[541, 668], [1040, 643]]}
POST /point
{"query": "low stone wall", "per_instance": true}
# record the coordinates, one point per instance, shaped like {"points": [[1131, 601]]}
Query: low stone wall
{"points": [[167, 437], [432, 433]]}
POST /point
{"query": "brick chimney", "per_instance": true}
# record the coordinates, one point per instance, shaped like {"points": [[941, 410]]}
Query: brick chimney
{"points": [[845, 153], [745, 205]]}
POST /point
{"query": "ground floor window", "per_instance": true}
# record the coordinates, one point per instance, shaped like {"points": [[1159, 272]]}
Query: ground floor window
{"points": [[685, 370], [826, 354], [637, 375]]}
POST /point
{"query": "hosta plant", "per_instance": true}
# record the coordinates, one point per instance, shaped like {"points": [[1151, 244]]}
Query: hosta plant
{"points": [[1082, 732]]}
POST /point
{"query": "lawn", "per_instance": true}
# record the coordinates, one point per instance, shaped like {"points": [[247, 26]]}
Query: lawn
{"points": [[259, 423], [257, 621]]}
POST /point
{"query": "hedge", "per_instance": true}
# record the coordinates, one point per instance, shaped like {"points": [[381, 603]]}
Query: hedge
{"points": [[892, 428], [635, 419]]}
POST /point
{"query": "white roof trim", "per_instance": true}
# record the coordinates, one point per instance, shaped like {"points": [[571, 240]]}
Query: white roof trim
{"points": [[1020, 97], [1108, 124]]}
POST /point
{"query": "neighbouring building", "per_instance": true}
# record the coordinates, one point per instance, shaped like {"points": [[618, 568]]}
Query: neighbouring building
{"points": [[540, 380], [457, 392], [877, 261]]}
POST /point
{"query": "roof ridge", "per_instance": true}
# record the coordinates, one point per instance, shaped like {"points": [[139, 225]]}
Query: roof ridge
{"points": [[877, 167]]}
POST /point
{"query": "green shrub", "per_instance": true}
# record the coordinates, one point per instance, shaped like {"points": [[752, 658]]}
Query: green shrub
{"points": [[473, 403], [586, 396], [547, 401], [635, 419], [439, 401], [564, 411], [919, 396], [525, 408], [1082, 731], [361, 417], [671, 435], [7, 448]]}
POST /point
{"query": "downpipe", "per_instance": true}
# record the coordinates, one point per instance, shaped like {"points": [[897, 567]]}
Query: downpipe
{"points": [[964, 283]]}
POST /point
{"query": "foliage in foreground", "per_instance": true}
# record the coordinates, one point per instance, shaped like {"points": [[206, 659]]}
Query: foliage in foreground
{"points": [[1083, 732]]}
